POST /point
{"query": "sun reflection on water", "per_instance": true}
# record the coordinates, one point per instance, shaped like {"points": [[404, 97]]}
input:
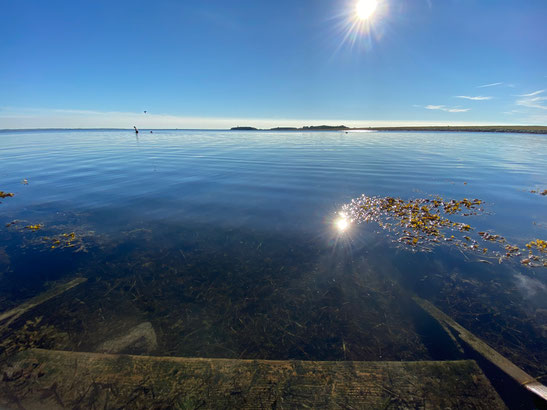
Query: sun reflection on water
{"points": [[341, 223]]}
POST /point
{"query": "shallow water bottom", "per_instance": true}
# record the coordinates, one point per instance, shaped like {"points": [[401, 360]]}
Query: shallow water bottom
{"points": [[233, 293]]}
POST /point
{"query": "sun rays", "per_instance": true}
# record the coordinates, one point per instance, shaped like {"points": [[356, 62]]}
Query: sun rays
{"points": [[360, 23]]}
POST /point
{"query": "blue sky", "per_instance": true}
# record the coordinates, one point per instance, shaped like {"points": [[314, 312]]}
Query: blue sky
{"points": [[219, 63]]}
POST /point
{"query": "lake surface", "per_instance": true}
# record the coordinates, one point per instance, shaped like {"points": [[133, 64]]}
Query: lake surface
{"points": [[227, 242]]}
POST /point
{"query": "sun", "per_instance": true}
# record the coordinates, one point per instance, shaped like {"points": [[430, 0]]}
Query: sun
{"points": [[365, 8]]}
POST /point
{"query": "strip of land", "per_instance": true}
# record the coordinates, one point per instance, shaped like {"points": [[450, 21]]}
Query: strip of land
{"points": [[527, 129]]}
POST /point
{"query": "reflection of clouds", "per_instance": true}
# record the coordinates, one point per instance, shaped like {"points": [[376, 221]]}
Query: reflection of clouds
{"points": [[529, 286]]}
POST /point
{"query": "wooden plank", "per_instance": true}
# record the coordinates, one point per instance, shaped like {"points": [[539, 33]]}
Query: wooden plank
{"points": [[485, 350], [6, 318], [56, 379]]}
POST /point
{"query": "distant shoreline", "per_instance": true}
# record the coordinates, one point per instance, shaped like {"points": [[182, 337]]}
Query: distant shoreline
{"points": [[524, 129], [474, 128]]}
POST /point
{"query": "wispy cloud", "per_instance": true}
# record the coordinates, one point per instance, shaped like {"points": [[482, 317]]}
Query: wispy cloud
{"points": [[489, 85], [477, 98], [446, 109], [531, 94], [512, 112], [532, 100]]}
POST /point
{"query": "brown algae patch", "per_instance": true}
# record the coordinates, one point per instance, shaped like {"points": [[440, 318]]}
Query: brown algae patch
{"points": [[35, 227], [423, 223], [76, 239], [6, 194]]}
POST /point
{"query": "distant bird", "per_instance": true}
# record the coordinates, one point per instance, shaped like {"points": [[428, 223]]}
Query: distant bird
{"points": [[145, 112]]}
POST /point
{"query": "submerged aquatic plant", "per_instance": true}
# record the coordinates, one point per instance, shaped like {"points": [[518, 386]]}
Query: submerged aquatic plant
{"points": [[422, 223]]}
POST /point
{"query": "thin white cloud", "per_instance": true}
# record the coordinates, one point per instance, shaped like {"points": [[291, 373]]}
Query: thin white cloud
{"points": [[533, 100], [477, 98], [531, 94], [489, 85], [512, 112], [445, 109]]}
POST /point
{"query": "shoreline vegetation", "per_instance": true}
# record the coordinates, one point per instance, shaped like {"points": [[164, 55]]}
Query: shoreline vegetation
{"points": [[527, 129]]}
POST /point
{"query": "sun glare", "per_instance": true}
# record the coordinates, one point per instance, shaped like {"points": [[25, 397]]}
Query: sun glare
{"points": [[365, 8], [341, 223]]}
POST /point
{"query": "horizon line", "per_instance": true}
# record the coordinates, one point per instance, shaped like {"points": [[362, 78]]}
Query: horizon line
{"points": [[311, 128]]}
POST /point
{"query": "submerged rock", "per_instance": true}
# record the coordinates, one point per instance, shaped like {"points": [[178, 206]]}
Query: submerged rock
{"points": [[141, 338]]}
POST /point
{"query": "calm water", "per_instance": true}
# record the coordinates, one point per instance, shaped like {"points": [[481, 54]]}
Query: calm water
{"points": [[225, 241]]}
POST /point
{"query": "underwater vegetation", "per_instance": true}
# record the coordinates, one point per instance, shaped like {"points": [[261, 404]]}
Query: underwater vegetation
{"points": [[210, 292], [423, 223], [32, 334]]}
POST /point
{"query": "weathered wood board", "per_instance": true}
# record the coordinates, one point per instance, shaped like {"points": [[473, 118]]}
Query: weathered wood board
{"points": [[6, 318], [519, 375], [56, 379]]}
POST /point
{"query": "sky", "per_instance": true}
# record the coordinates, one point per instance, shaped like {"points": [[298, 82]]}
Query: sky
{"points": [[219, 63]]}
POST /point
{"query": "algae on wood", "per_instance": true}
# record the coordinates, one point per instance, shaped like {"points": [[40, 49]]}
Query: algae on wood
{"points": [[59, 379]]}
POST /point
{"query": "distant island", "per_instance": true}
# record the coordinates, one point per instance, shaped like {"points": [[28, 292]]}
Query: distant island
{"points": [[305, 128], [325, 128], [527, 129], [244, 129]]}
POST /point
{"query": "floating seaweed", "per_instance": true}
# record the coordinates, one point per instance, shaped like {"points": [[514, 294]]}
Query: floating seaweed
{"points": [[539, 244], [422, 223], [74, 239], [5, 194], [64, 240], [35, 227]]}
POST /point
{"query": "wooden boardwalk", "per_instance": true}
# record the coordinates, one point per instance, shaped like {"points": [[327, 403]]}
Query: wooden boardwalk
{"points": [[51, 379]]}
